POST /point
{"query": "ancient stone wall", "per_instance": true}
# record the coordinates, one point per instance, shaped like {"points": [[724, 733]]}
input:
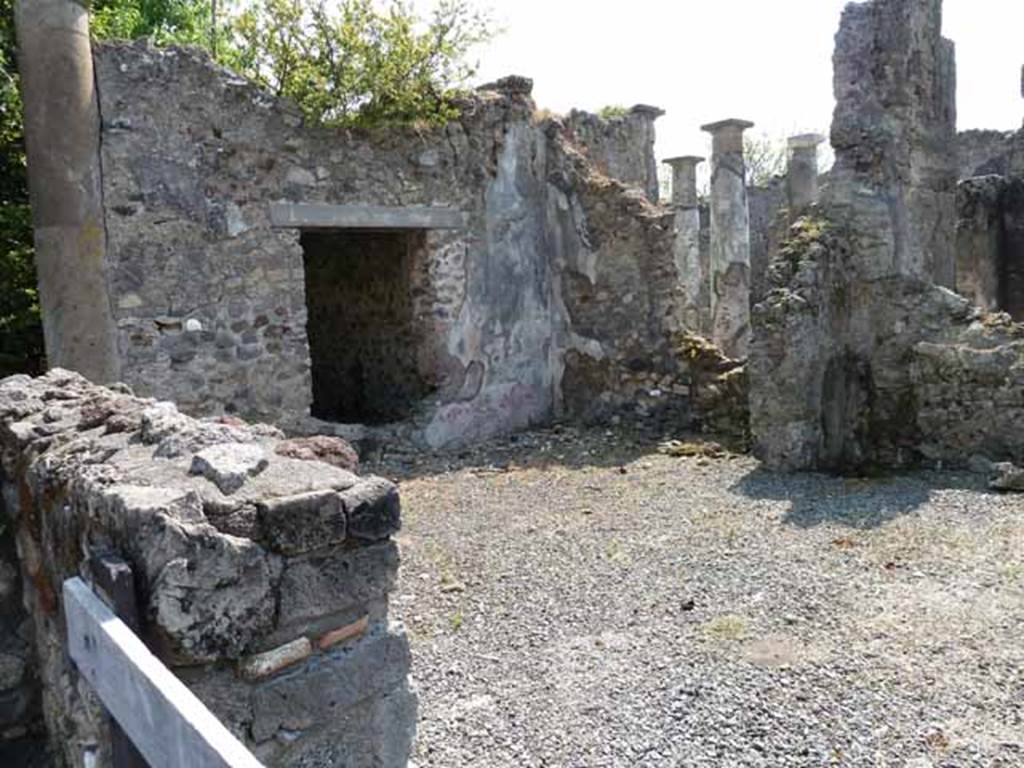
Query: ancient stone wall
{"points": [[621, 293], [20, 713], [621, 148], [980, 240], [990, 243], [262, 568], [983, 153], [894, 134], [765, 202], [193, 158], [969, 393], [838, 376], [218, 308], [1011, 299]]}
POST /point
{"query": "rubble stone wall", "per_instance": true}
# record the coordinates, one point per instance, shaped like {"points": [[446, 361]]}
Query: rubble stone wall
{"points": [[19, 685], [621, 148], [980, 240], [969, 393], [862, 356], [193, 157], [983, 153], [562, 258], [766, 202], [262, 568], [621, 293]]}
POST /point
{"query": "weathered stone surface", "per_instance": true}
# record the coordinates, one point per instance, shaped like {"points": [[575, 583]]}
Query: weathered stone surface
{"points": [[373, 509], [984, 153], [894, 134], [340, 680], [730, 239], [621, 148], [341, 582], [837, 370], [330, 450], [229, 465], [980, 240], [1009, 478], [294, 525], [73, 489]]}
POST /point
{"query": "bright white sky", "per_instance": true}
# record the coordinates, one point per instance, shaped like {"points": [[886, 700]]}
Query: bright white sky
{"points": [[769, 61]]}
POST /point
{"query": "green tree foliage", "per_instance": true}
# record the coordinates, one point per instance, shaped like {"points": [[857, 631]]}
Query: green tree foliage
{"points": [[21, 335], [185, 22], [354, 62], [766, 157]]}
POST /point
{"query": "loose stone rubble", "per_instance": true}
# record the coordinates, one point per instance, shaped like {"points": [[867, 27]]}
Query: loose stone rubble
{"points": [[262, 579]]}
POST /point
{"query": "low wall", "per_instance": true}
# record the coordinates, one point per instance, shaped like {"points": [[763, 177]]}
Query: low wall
{"points": [[262, 568]]}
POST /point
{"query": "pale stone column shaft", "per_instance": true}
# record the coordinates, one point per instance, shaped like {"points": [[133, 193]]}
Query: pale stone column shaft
{"points": [[62, 129], [802, 176], [730, 239], [687, 242]]}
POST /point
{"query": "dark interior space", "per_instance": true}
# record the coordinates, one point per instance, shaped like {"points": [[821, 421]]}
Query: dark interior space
{"points": [[1012, 298], [363, 339]]}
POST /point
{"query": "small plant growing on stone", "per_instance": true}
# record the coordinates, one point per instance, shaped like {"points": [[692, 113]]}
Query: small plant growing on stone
{"points": [[612, 112]]}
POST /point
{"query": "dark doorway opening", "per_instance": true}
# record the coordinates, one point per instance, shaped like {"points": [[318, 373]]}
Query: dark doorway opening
{"points": [[1011, 298], [363, 339]]}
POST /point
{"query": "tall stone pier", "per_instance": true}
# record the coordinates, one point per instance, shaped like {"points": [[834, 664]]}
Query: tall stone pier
{"points": [[62, 129], [687, 244], [894, 133], [802, 178], [730, 239], [854, 295]]}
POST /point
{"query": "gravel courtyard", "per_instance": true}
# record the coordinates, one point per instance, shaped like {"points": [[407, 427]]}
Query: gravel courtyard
{"points": [[580, 599]]}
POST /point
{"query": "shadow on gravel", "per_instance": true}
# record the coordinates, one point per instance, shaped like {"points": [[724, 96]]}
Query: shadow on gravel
{"points": [[564, 446], [817, 499]]}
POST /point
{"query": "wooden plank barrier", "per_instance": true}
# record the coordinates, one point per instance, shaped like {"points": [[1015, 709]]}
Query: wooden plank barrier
{"points": [[169, 726]]}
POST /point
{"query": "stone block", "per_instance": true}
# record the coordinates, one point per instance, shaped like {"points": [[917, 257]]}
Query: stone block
{"points": [[332, 683], [295, 525], [230, 465], [373, 509], [344, 581]]}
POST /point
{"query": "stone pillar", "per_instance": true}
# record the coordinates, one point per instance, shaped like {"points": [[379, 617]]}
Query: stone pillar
{"points": [[730, 239], [62, 129], [645, 115], [802, 177], [687, 244]]}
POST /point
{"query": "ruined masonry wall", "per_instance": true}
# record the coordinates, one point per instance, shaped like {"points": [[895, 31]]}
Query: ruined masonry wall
{"points": [[621, 148], [19, 685], [621, 294], [193, 156], [241, 543]]}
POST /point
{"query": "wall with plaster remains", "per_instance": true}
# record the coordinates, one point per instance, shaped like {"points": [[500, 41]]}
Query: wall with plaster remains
{"points": [[861, 357], [241, 543], [620, 147], [559, 294], [194, 156]]}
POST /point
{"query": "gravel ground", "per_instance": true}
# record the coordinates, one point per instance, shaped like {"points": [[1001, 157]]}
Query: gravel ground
{"points": [[578, 599]]}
